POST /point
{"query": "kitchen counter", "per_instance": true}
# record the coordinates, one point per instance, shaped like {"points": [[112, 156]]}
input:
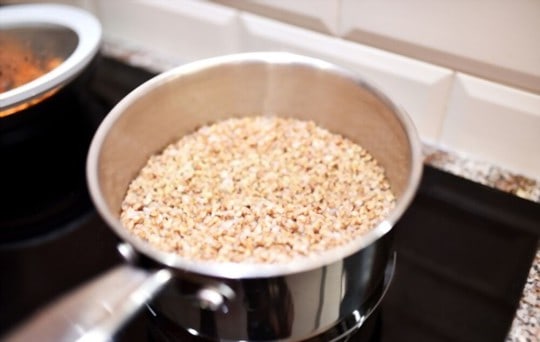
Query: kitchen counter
{"points": [[526, 324]]}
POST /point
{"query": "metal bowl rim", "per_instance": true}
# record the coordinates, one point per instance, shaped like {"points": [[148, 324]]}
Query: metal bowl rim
{"points": [[84, 24], [251, 270]]}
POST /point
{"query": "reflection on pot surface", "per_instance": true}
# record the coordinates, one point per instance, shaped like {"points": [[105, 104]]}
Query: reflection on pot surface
{"points": [[325, 304]]}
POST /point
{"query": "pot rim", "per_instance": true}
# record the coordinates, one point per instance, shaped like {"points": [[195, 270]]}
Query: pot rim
{"points": [[82, 23], [232, 270]]}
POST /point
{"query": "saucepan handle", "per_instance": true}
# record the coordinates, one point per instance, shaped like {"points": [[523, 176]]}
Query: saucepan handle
{"points": [[96, 310]]}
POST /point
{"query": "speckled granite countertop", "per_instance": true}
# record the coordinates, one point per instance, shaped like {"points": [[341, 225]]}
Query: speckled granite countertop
{"points": [[526, 324]]}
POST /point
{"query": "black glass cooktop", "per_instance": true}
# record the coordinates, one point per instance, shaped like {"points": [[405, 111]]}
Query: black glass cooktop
{"points": [[464, 251]]}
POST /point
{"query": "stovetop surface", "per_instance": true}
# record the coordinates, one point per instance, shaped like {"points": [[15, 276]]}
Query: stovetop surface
{"points": [[463, 249]]}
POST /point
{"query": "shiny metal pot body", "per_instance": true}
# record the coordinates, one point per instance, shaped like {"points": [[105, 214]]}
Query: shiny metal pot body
{"points": [[242, 301], [328, 302]]}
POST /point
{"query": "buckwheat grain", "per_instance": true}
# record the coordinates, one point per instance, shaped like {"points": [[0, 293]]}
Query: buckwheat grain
{"points": [[258, 189]]}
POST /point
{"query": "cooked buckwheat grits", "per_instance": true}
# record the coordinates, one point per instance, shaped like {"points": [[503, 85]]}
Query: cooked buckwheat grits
{"points": [[258, 190]]}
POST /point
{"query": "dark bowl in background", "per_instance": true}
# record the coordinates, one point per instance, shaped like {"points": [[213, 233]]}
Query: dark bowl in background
{"points": [[44, 136]]}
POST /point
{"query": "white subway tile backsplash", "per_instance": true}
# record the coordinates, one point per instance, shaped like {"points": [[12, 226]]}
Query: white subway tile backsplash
{"points": [[182, 29], [494, 123], [495, 40], [421, 89], [319, 15], [485, 120]]}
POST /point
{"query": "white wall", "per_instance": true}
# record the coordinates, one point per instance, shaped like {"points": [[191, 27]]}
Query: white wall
{"points": [[467, 72]]}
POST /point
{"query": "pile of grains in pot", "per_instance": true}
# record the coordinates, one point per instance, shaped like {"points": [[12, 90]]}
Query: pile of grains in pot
{"points": [[257, 190]]}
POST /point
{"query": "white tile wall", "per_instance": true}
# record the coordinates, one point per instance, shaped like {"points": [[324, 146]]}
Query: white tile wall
{"points": [[420, 88], [493, 39], [186, 30], [494, 123], [318, 15], [486, 120]]}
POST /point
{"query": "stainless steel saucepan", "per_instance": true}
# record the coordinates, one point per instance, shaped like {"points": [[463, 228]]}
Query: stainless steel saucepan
{"points": [[292, 301]]}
